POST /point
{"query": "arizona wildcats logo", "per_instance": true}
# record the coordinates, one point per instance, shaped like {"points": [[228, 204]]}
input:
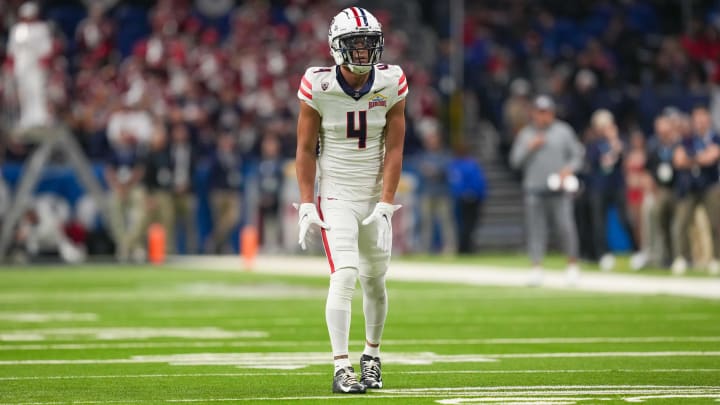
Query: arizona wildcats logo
{"points": [[377, 101]]}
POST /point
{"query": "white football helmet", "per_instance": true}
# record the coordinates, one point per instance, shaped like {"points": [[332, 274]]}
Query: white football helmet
{"points": [[352, 31]]}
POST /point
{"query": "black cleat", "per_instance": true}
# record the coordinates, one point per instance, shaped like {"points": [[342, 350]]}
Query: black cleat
{"points": [[345, 382], [370, 376]]}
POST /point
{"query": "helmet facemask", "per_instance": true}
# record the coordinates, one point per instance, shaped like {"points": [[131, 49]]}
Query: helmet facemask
{"points": [[359, 51]]}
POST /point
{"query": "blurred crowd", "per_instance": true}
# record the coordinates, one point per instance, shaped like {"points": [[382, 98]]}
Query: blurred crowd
{"points": [[641, 89], [177, 98], [664, 191], [185, 98]]}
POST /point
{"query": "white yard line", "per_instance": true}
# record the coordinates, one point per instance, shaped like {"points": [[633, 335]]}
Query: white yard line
{"points": [[389, 342], [470, 274], [43, 317], [314, 373], [300, 360], [543, 394]]}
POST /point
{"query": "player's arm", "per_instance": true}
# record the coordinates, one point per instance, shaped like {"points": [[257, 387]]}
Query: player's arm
{"points": [[680, 159], [709, 156], [394, 140], [308, 129]]}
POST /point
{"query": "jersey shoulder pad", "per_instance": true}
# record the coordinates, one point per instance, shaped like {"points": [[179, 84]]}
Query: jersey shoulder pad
{"points": [[312, 78], [314, 74], [394, 76]]}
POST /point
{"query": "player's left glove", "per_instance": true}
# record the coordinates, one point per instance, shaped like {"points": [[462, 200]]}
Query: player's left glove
{"points": [[382, 216]]}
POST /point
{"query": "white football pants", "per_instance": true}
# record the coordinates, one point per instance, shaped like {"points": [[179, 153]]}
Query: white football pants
{"points": [[352, 253]]}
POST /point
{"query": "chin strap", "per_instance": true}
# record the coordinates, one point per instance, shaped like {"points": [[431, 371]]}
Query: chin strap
{"points": [[358, 69]]}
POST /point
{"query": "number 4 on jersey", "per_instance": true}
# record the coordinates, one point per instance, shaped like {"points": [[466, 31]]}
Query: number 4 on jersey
{"points": [[357, 128]]}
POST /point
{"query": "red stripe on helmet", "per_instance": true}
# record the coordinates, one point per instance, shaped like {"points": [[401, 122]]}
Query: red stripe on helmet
{"points": [[357, 16]]}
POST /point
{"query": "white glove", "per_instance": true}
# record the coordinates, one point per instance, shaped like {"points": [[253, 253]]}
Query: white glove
{"points": [[307, 215], [382, 216]]}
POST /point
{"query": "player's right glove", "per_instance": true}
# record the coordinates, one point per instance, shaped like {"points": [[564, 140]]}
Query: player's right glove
{"points": [[307, 215]]}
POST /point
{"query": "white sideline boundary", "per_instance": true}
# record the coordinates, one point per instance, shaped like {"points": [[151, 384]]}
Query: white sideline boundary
{"points": [[704, 287]]}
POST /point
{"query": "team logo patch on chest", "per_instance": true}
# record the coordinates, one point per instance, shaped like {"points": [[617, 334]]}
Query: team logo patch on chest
{"points": [[377, 101]]}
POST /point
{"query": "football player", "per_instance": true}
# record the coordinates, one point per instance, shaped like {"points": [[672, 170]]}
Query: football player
{"points": [[351, 128]]}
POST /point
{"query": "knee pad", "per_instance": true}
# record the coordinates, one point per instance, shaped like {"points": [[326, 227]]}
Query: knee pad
{"points": [[373, 287], [342, 286]]}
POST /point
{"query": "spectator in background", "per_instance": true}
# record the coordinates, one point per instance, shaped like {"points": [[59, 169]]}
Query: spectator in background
{"points": [[94, 37], [132, 119], [548, 153], [516, 112], [605, 182], [182, 161], [270, 183], [582, 102], [29, 53], [91, 112], [5, 198], [696, 161], [158, 181], [659, 201], [435, 203], [468, 188], [226, 185], [214, 8], [517, 108], [637, 182], [124, 172]]}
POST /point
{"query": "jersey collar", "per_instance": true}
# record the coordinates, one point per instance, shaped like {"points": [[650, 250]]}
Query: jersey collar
{"points": [[356, 94]]}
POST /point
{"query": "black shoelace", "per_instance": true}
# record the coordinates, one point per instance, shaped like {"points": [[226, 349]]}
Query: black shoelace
{"points": [[348, 377], [370, 369]]}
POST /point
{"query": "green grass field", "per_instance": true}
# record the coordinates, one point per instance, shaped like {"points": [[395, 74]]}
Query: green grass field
{"points": [[148, 335]]}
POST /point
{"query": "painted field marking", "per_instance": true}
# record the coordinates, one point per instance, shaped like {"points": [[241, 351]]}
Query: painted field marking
{"points": [[127, 333], [190, 291], [43, 317], [309, 373], [389, 342], [263, 291], [297, 360], [526, 395]]}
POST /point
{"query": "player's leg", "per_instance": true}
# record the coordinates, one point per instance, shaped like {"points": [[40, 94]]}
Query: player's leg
{"points": [[536, 224], [373, 267], [341, 248], [712, 207], [682, 218], [564, 220]]}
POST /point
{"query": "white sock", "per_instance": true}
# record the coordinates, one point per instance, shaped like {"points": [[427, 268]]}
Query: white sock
{"points": [[342, 363], [337, 311], [372, 351]]}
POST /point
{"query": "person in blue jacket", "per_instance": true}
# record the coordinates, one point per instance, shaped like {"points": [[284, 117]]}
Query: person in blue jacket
{"points": [[469, 190]]}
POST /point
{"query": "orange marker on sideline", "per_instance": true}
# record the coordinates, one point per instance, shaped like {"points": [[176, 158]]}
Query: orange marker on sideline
{"points": [[156, 243], [249, 245]]}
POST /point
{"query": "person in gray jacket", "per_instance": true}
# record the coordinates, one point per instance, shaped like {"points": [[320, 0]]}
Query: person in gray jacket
{"points": [[549, 153]]}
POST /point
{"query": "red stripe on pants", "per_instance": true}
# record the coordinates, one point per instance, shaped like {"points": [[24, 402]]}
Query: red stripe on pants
{"points": [[325, 240]]}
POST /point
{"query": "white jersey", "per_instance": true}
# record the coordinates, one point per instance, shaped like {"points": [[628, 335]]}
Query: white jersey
{"points": [[352, 129]]}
